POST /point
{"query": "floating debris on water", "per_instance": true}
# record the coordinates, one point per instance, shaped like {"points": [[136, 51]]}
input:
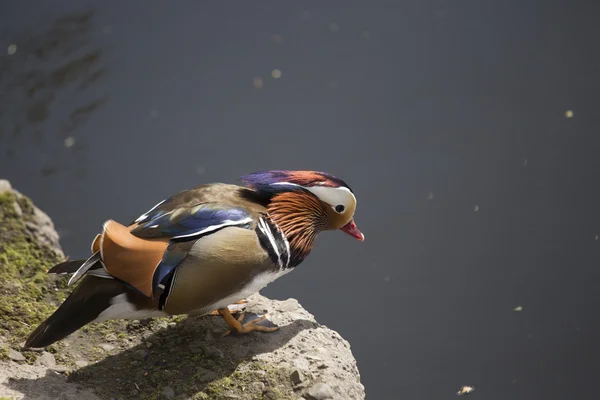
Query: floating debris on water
{"points": [[525, 162], [430, 196], [276, 74], [569, 114], [475, 208], [465, 390], [12, 49], [387, 279], [518, 308], [257, 82], [69, 142]]}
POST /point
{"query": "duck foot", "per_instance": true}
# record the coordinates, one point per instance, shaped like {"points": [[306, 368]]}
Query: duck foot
{"points": [[236, 327]]}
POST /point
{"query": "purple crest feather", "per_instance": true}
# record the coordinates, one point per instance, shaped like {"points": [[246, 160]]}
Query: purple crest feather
{"points": [[264, 180]]}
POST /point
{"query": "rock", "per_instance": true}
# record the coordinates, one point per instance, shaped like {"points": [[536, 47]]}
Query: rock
{"points": [[140, 355], [168, 393], [5, 186], [320, 391], [110, 337], [38, 223], [288, 305], [60, 369], [162, 325], [81, 363], [106, 347], [257, 387], [15, 355], [46, 359], [297, 377]]}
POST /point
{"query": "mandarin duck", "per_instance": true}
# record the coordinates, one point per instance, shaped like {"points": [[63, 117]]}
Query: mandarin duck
{"points": [[202, 250]]}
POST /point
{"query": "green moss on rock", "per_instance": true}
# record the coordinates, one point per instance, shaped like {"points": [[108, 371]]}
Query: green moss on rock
{"points": [[27, 295]]}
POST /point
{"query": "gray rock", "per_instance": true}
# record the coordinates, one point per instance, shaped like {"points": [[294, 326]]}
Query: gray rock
{"points": [[18, 209], [162, 325], [37, 222], [320, 391], [46, 359], [288, 305], [297, 377], [110, 337], [257, 387], [60, 369], [15, 355], [81, 363], [5, 186], [107, 347], [168, 393]]}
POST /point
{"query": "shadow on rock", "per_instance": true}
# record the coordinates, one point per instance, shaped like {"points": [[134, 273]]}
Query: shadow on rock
{"points": [[181, 360]]}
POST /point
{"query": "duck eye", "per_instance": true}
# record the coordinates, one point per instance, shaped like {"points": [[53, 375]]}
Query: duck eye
{"points": [[340, 208]]}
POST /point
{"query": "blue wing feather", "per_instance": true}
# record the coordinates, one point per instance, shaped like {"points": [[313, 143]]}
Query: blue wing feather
{"points": [[173, 256], [190, 221]]}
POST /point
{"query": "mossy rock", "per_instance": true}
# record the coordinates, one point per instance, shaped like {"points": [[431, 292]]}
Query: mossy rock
{"points": [[27, 295]]}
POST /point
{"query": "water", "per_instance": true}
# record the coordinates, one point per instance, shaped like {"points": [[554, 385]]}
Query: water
{"points": [[476, 192]]}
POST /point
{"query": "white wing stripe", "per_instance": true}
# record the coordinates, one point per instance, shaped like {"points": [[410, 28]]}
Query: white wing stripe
{"points": [[215, 227], [145, 215]]}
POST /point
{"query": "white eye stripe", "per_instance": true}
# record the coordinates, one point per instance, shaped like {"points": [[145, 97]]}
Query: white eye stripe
{"points": [[330, 195], [333, 196]]}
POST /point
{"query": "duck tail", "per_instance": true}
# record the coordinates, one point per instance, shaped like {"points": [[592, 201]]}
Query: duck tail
{"points": [[93, 296]]}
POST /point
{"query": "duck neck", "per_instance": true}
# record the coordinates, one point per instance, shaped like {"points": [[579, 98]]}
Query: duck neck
{"points": [[300, 217]]}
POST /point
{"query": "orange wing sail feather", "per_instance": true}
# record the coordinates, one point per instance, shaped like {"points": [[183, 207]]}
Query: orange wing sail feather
{"points": [[129, 258]]}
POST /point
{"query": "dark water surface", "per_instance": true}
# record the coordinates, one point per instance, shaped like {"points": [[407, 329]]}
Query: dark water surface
{"points": [[476, 193]]}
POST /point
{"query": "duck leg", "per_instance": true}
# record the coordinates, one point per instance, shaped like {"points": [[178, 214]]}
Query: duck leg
{"points": [[233, 308], [236, 327]]}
